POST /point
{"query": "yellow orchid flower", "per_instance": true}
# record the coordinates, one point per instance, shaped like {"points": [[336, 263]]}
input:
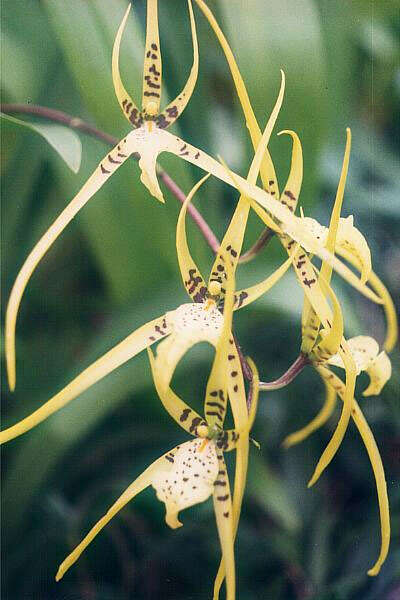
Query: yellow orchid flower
{"points": [[182, 327], [357, 354], [349, 243], [195, 470], [148, 139]]}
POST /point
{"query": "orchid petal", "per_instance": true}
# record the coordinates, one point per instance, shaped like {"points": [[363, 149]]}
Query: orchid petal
{"points": [[114, 358], [379, 371], [348, 398], [113, 160], [242, 452], [191, 276], [364, 350], [380, 289], [191, 479], [150, 144], [225, 525], [177, 106], [290, 195], [143, 481], [216, 391], [186, 417], [152, 67], [332, 336], [331, 343], [320, 419], [233, 238], [376, 463], [267, 170], [250, 294], [126, 103]]}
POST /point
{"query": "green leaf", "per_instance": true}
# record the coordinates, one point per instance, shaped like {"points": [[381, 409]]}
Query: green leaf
{"points": [[270, 492], [64, 141]]}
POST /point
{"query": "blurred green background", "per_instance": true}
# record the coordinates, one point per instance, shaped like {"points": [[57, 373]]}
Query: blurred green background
{"points": [[115, 268]]}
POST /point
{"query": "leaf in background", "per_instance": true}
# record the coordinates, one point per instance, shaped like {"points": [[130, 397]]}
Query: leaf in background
{"points": [[271, 493], [64, 141]]}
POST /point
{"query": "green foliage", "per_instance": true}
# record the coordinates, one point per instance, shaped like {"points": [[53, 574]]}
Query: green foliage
{"points": [[116, 268]]}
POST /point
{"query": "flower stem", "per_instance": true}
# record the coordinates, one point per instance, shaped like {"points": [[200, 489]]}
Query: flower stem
{"points": [[59, 116], [301, 361]]}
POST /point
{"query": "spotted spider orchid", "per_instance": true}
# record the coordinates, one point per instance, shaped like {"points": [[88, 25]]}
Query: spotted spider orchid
{"points": [[195, 470], [327, 343], [182, 327], [357, 354], [148, 139]]}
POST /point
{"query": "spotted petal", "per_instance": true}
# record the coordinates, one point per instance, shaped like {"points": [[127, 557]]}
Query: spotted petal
{"points": [[111, 162], [143, 481], [364, 350], [267, 170], [189, 481], [126, 103], [177, 106], [242, 454], [376, 463], [233, 238], [122, 352], [225, 524], [191, 276], [152, 67], [185, 417]]}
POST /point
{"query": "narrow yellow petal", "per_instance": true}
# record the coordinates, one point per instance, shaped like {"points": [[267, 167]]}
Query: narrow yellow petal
{"points": [[351, 239], [379, 371], [250, 294], [333, 335], [290, 195], [142, 482], [126, 103], [191, 276], [317, 422], [162, 141], [177, 106], [242, 452], [122, 352], [185, 417], [224, 518], [217, 386], [152, 67], [376, 463], [106, 168], [332, 340], [348, 400], [267, 170], [388, 304], [233, 238], [326, 269]]}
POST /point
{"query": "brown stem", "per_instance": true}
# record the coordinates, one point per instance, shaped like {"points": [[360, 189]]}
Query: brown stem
{"points": [[301, 361], [262, 241], [76, 123]]}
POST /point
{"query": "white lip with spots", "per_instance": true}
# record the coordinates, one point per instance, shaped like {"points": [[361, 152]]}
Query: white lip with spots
{"points": [[190, 324], [188, 480]]}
